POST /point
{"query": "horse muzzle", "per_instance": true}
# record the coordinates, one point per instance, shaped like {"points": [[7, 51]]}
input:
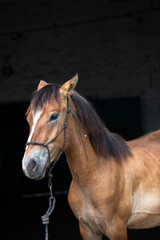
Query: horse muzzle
{"points": [[34, 165]]}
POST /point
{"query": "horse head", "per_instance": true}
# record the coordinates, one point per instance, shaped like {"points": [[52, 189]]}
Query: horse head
{"points": [[47, 116]]}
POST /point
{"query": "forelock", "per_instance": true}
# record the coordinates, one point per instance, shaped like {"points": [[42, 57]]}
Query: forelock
{"points": [[43, 96]]}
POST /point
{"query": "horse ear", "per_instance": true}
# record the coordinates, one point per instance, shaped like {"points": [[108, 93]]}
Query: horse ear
{"points": [[41, 84], [67, 88]]}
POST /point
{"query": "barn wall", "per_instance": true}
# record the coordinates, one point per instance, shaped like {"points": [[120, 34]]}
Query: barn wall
{"points": [[113, 45]]}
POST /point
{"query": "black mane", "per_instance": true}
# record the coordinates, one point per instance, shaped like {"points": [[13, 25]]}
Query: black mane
{"points": [[104, 143]]}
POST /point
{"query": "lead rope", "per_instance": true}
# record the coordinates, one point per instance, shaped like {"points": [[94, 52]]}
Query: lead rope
{"points": [[52, 200]]}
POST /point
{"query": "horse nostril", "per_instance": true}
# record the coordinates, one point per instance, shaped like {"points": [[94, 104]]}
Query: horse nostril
{"points": [[32, 164]]}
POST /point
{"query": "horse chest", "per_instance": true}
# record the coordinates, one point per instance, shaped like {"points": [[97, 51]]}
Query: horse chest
{"points": [[91, 218], [86, 213]]}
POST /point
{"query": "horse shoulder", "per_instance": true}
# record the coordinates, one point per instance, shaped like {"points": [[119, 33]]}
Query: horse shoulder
{"points": [[75, 198]]}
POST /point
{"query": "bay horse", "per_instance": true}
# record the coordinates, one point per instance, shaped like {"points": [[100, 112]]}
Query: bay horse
{"points": [[115, 184]]}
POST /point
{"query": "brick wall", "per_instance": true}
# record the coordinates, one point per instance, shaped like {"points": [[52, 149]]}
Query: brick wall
{"points": [[113, 45]]}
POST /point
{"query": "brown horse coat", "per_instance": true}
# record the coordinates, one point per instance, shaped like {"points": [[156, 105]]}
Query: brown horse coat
{"points": [[118, 186]]}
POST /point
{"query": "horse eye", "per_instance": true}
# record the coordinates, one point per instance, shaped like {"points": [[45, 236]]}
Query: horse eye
{"points": [[53, 117]]}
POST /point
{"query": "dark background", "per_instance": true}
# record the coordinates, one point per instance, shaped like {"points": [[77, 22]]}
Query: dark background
{"points": [[114, 45]]}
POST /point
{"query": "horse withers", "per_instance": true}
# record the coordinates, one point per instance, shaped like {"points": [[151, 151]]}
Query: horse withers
{"points": [[115, 184]]}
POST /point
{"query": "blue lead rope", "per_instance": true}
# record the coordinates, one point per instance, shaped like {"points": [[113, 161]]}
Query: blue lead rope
{"points": [[45, 217]]}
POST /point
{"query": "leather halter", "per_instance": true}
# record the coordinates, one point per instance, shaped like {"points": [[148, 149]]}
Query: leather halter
{"points": [[46, 145]]}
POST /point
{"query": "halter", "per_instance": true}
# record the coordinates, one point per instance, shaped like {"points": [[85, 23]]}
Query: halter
{"points": [[45, 218]]}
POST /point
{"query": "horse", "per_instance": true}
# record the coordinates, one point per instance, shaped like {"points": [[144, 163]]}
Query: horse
{"points": [[115, 183]]}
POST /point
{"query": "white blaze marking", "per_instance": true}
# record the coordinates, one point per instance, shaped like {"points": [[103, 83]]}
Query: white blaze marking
{"points": [[35, 120]]}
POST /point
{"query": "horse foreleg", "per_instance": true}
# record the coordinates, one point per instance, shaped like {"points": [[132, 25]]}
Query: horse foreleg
{"points": [[88, 234], [117, 232]]}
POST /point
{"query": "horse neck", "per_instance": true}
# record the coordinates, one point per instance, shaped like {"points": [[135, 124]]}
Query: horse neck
{"points": [[79, 165]]}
